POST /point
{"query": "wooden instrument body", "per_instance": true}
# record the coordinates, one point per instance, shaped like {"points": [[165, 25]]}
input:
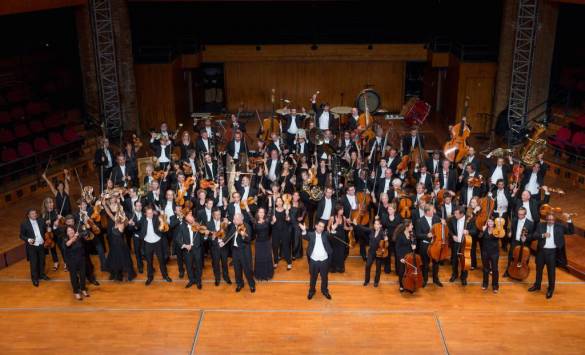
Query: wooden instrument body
{"points": [[362, 214], [487, 208], [517, 171], [519, 268], [456, 149], [465, 253], [439, 248], [49, 238], [405, 207], [413, 277], [382, 250], [269, 125], [163, 224], [403, 165], [499, 230]]}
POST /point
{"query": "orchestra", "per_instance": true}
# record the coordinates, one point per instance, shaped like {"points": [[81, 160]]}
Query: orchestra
{"points": [[314, 185]]}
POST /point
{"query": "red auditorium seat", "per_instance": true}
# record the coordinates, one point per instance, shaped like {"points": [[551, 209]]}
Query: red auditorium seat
{"points": [[36, 126], [70, 134], [561, 138], [8, 155], [73, 115], [6, 136], [21, 130], [580, 122], [17, 113], [16, 95], [34, 108], [54, 120], [577, 145], [25, 149], [4, 118], [40, 144], [45, 107], [55, 139]]}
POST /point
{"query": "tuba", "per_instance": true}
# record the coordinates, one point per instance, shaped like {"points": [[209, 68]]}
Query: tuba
{"points": [[534, 146]]}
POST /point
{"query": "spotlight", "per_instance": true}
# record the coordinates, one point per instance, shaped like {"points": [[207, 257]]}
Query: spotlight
{"points": [[314, 47]]}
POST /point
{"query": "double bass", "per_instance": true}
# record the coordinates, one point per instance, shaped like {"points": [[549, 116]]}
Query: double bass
{"points": [[413, 277], [268, 124], [519, 268], [487, 208], [361, 215], [456, 149], [439, 248], [464, 252]]}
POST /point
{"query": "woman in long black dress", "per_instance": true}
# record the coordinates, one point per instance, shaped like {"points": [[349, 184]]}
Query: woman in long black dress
{"points": [[130, 151], [490, 254], [391, 220], [49, 216], [405, 243], [61, 193], [297, 216], [75, 257], [119, 261], [280, 222], [263, 269], [339, 228]]}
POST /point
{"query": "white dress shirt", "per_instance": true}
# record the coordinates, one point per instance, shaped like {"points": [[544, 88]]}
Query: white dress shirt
{"points": [[109, 158], [526, 205], [327, 210], [38, 237], [237, 149], [319, 253], [549, 242], [497, 175], [460, 228], [210, 166], [502, 201], [206, 144], [246, 192], [324, 121], [163, 155], [293, 129], [352, 202], [150, 236], [532, 185], [169, 209], [519, 227], [272, 171]]}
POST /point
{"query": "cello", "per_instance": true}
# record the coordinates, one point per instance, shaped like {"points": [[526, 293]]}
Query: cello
{"points": [[439, 248], [364, 124], [456, 149], [412, 278], [361, 215], [464, 252], [268, 125], [519, 268], [487, 208]]}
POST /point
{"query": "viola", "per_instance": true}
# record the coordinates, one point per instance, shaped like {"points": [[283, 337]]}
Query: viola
{"points": [[487, 208], [499, 230], [403, 165], [362, 214], [456, 149], [405, 207], [163, 224], [519, 268], [412, 277], [207, 184], [382, 250], [96, 215], [439, 248], [475, 181], [49, 238], [249, 201]]}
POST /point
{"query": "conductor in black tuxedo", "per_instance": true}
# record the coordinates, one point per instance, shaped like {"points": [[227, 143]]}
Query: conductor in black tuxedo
{"points": [[318, 253], [32, 232], [551, 239], [241, 253]]}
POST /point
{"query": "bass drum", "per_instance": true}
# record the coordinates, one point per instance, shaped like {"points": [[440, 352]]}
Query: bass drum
{"points": [[372, 98]]}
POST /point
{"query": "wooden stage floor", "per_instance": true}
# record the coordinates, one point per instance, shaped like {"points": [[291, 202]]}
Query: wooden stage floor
{"points": [[169, 319]]}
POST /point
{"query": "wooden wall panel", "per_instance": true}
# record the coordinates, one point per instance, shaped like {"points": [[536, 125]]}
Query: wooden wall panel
{"points": [[161, 94], [251, 82], [477, 81]]}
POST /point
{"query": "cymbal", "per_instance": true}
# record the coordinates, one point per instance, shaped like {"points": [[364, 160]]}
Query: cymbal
{"points": [[328, 149], [341, 110], [316, 136]]}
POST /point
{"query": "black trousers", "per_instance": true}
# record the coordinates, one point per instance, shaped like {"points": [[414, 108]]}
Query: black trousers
{"points": [[490, 263], [317, 268], [281, 243], [36, 258], [297, 241], [426, 260], [193, 261], [400, 270], [369, 263], [149, 250], [311, 209], [138, 245], [546, 257], [181, 257], [242, 260], [388, 261], [53, 250], [77, 275], [456, 248], [474, 241], [219, 262], [362, 241]]}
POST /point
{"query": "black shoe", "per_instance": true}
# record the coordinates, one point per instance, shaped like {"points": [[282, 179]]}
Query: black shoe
{"points": [[167, 279], [375, 284], [141, 270], [189, 284], [366, 283], [181, 275], [506, 274], [148, 281], [464, 282], [217, 283], [239, 288], [199, 286], [424, 283], [252, 289], [327, 295], [401, 289], [453, 278], [549, 293], [35, 283], [438, 283], [310, 295], [534, 288], [45, 277], [228, 281], [95, 282], [484, 287]]}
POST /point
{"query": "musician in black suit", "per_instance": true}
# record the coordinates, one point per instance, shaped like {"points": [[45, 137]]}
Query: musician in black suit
{"points": [[293, 122], [393, 159], [121, 174], [374, 236], [467, 193], [318, 254], [519, 222], [104, 162], [32, 232], [551, 239], [274, 166], [136, 215], [434, 163], [326, 206], [190, 241], [302, 147], [497, 171], [236, 146], [241, 237], [490, 255], [203, 144], [533, 180], [411, 141], [176, 221], [502, 206], [219, 256], [458, 228], [424, 177], [423, 233], [472, 160], [162, 149], [404, 245], [152, 238], [532, 205], [210, 168], [236, 124], [447, 176], [324, 118]]}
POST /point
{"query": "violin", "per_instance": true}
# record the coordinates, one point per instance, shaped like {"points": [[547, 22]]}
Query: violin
{"points": [[403, 165], [382, 250], [249, 201], [242, 230], [519, 268], [163, 224], [517, 172], [287, 200], [180, 199], [487, 208], [439, 249], [456, 149], [96, 215], [475, 181], [499, 230], [362, 214], [207, 184], [49, 238], [547, 209], [412, 278], [405, 207]]}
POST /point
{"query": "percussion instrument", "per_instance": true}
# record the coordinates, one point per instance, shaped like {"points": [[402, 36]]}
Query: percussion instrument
{"points": [[341, 110], [415, 111], [372, 98]]}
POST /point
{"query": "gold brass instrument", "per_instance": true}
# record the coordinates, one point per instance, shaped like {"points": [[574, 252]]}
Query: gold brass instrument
{"points": [[316, 136], [534, 147]]}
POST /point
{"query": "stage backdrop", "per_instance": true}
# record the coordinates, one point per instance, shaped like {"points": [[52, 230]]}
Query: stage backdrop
{"points": [[339, 72]]}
